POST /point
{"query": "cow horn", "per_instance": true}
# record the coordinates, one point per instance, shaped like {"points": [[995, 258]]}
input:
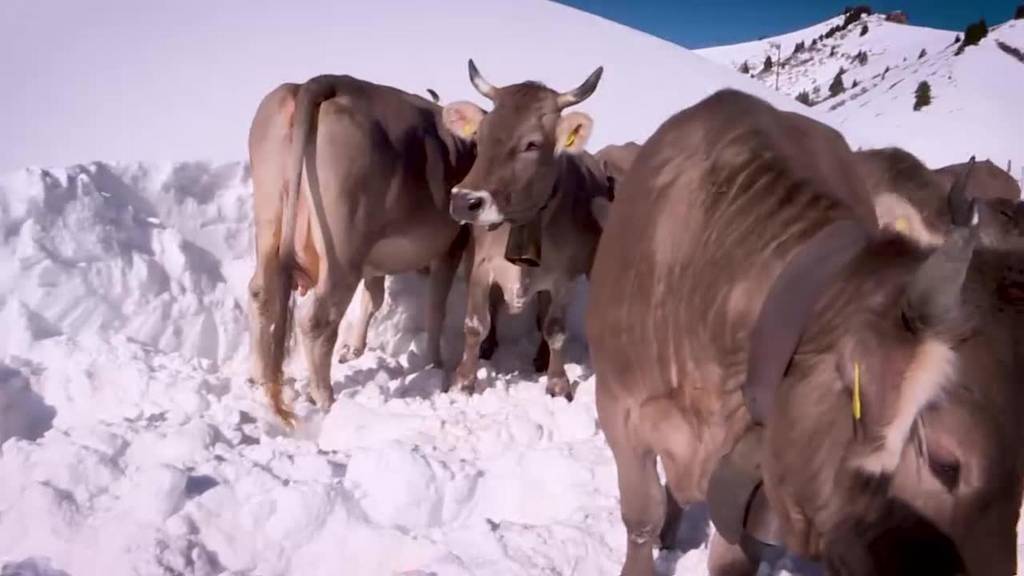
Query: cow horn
{"points": [[933, 296], [960, 204], [581, 92], [482, 86]]}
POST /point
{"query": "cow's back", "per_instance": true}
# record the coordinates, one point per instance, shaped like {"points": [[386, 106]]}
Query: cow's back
{"points": [[987, 180], [719, 198]]}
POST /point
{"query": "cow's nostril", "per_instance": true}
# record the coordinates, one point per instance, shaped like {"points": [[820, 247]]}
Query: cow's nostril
{"points": [[475, 204]]}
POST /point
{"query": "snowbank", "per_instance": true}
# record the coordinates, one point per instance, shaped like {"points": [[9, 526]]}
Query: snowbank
{"points": [[132, 442]]}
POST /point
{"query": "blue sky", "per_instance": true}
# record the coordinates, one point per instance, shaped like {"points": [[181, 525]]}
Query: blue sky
{"points": [[700, 23]]}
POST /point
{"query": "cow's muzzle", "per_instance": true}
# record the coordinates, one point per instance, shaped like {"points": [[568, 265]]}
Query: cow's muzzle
{"points": [[475, 207]]}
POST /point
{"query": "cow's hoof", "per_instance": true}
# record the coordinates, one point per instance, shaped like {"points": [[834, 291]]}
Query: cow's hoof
{"points": [[560, 386], [323, 398], [349, 353], [462, 384]]}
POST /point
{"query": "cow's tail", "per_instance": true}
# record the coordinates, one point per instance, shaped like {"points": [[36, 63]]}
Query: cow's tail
{"points": [[301, 148]]}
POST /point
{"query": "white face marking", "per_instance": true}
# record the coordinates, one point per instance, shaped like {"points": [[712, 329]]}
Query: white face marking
{"points": [[486, 214], [930, 372]]}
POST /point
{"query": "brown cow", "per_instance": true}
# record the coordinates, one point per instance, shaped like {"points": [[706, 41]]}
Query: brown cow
{"points": [[987, 180], [531, 173], [908, 196], [615, 160], [351, 180], [913, 199], [1001, 210], [745, 291]]}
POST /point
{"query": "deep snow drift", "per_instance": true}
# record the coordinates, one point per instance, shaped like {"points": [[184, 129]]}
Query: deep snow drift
{"points": [[134, 444]]}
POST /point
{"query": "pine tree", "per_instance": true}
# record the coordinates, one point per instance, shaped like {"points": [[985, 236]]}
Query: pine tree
{"points": [[922, 54], [972, 35], [922, 95], [744, 68], [864, 30], [767, 64], [837, 87], [804, 98]]}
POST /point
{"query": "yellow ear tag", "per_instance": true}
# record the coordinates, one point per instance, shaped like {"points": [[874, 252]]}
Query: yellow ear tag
{"points": [[902, 225], [571, 138], [468, 129], [856, 390]]}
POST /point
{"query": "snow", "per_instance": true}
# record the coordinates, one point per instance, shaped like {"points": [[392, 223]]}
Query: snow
{"points": [[132, 442], [182, 80], [975, 106], [130, 439]]}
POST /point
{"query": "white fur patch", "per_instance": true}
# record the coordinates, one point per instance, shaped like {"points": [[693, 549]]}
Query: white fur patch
{"points": [[474, 324], [896, 213], [930, 372]]}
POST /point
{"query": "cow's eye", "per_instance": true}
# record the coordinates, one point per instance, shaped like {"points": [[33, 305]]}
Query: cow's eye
{"points": [[946, 471], [531, 146]]}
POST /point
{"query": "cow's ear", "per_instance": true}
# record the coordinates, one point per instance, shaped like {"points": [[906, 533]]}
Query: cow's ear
{"points": [[462, 119], [573, 132], [896, 213]]}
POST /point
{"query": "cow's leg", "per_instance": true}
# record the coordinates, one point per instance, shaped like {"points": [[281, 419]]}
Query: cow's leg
{"points": [[490, 343], [371, 298], [318, 322], [726, 559], [478, 322], [641, 496], [542, 359], [555, 334], [442, 272], [673, 521]]}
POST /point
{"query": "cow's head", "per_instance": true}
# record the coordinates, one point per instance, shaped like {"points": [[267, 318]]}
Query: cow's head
{"points": [[1002, 222], [518, 143], [920, 439]]}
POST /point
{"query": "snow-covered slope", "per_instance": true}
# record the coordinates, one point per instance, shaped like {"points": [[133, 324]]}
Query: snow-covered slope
{"points": [[976, 96], [117, 80], [887, 44]]}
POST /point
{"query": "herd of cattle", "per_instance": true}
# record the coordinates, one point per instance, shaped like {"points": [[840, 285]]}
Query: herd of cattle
{"points": [[825, 345]]}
